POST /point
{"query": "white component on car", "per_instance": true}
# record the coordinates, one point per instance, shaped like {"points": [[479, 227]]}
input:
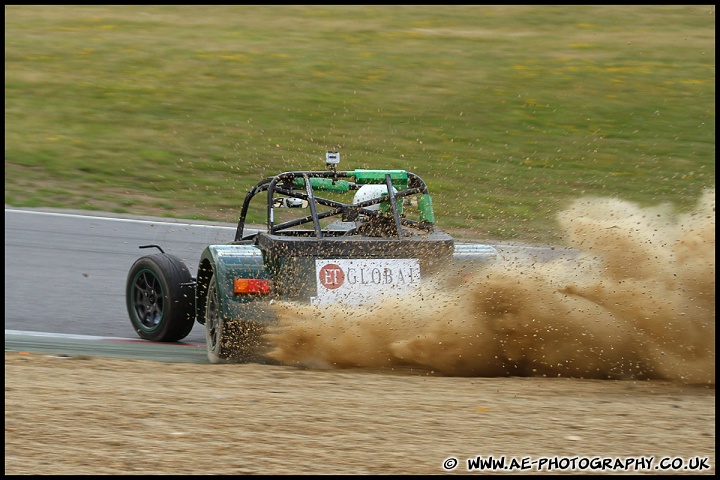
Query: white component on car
{"points": [[369, 192]]}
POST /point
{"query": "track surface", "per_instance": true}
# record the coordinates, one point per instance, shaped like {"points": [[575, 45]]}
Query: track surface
{"points": [[65, 274]]}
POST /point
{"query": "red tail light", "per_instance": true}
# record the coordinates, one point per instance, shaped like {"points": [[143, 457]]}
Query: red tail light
{"points": [[254, 286]]}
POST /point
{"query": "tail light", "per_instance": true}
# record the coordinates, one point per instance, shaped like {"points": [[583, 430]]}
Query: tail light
{"points": [[252, 286]]}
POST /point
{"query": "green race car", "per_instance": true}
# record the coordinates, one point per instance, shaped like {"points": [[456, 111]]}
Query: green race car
{"points": [[369, 236]]}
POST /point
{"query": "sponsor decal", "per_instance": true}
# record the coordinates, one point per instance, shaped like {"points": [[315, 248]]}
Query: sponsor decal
{"points": [[360, 281]]}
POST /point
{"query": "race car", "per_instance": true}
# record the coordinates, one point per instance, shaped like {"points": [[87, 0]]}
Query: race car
{"points": [[370, 236]]}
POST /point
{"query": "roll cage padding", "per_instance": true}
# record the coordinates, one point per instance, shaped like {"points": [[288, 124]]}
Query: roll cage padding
{"points": [[286, 183]]}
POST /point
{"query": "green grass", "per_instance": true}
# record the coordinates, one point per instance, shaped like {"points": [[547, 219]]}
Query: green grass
{"points": [[508, 113]]}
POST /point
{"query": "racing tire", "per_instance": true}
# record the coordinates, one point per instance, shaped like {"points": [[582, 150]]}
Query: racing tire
{"points": [[160, 298], [229, 340]]}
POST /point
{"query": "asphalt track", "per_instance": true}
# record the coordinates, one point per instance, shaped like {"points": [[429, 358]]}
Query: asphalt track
{"points": [[65, 274]]}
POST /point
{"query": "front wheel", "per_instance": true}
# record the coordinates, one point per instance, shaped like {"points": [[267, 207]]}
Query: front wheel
{"points": [[160, 298], [229, 340]]}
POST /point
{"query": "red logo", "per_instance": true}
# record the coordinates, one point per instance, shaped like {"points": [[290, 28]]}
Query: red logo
{"points": [[331, 276]]}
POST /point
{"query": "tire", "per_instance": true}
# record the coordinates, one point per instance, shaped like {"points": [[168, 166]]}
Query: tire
{"points": [[160, 298], [228, 340]]}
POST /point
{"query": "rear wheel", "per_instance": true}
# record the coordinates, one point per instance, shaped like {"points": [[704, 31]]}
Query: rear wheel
{"points": [[229, 340], [160, 298]]}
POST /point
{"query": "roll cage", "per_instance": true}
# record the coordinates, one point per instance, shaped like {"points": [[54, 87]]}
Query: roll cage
{"points": [[302, 185]]}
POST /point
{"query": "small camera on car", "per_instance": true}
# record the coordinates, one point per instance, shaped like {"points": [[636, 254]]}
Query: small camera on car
{"points": [[332, 158]]}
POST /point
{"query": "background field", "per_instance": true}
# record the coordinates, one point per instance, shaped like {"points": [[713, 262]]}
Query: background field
{"points": [[508, 113]]}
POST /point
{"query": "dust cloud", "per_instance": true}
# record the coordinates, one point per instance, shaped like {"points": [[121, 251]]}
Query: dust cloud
{"points": [[637, 302]]}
